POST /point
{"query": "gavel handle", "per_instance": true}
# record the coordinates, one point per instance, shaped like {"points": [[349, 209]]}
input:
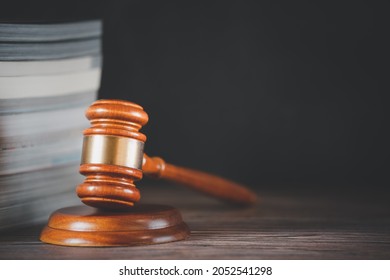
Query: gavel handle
{"points": [[209, 184]]}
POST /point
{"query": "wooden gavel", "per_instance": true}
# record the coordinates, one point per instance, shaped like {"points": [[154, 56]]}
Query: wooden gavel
{"points": [[113, 158]]}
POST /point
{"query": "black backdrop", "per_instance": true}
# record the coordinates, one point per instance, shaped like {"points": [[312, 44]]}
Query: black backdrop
{"points": [[261, 92]]}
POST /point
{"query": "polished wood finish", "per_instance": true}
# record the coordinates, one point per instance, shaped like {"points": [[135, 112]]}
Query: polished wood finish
{"points": [[84, 226], [212, 185], [110, 186], [116, 117]]}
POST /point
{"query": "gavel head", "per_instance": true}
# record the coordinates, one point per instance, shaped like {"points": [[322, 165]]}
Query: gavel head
{"points": [[112, 154]]}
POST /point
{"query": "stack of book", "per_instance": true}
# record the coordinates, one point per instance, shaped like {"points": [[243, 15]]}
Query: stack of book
{"points": [[49, 75]]}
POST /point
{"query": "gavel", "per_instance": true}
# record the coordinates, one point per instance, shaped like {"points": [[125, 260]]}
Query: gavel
{"points": [[113, 159]]}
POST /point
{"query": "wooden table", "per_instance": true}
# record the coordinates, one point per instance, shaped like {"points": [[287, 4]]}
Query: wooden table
{"points": [[288, 223]]}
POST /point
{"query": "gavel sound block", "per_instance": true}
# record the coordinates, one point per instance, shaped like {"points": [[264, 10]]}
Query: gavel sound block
{"points": [[112, 159]]}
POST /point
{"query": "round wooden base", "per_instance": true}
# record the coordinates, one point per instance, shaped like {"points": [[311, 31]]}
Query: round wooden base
{"points": [[141, 225]]}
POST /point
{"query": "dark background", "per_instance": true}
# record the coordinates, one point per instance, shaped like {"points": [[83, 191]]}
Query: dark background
{"points": [[262, 92]]}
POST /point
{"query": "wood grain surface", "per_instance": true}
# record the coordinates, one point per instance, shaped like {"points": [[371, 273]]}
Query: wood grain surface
{"points": [[289, 223]]}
